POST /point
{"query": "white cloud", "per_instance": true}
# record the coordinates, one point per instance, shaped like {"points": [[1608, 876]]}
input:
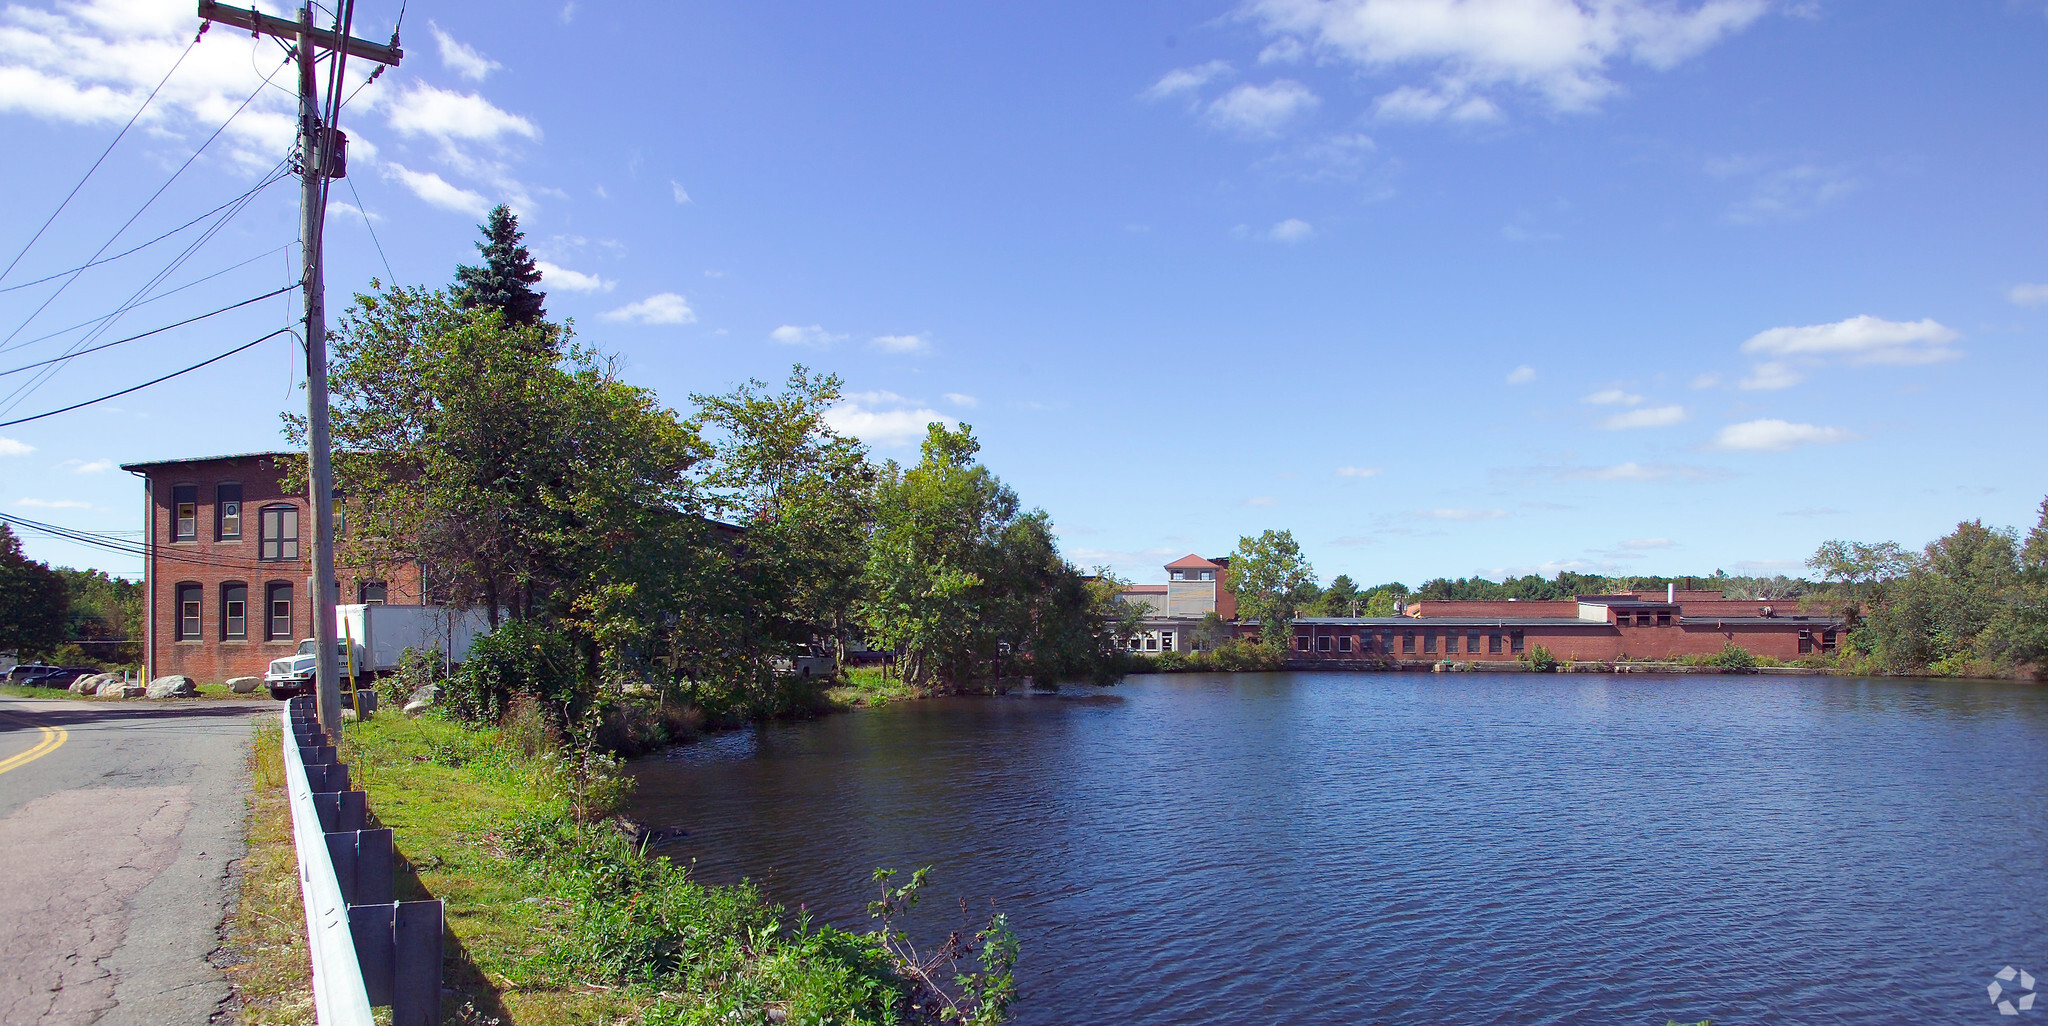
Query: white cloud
{"points": [[442, 114], [1776, 436], [962, 399], [1706, 381], [1863, 339], [1632, 472], [682, 195], [1262, 500], [1655, 416], [1645, 544], [900, 343], [1522, 375], [1261, 110], [463, 60], [1613, 397], [1459, 514], [660, 308], [1410, 103], [1780, 193], [336, 208], [2029, 295], [1360, 471], [54, 504], [438, 191], [1770, 376], [1291, 230], [1554, 49], [10, 447], [93, 467], [804, 335], [858, 416], [1181, 81], [573, 281]]}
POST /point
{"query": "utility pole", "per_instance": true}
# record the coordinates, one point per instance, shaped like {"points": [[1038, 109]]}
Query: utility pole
{"points": [[319, 159]]}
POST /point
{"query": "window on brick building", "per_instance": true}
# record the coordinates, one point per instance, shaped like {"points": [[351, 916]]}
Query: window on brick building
{"points": [[1451, 642], [1408, 642], [1323, 643], [372, 593], [227, 511], [1208, 575], [1301, 642], [1472, 642], [1493, 643], [1663, 619], [280, 533], [1515, 641], [1344, 643], [1387, 642], [188, 612], [234, 611], [277, 602], [1428, 641], [1180, 575], [185, 512]]}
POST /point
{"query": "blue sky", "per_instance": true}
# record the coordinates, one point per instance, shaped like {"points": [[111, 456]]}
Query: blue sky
{"points": [[1445, 288]]}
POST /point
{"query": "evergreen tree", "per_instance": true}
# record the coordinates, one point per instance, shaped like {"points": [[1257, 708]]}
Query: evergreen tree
{"points": [[505, 281]]}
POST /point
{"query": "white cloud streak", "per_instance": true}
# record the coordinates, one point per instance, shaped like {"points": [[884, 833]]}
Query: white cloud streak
{"points": [[438, 191], [462, 59], [1863, 339], [860, 416], [901, 343], [1557, 50], [681, 194], [1522, 375], [1653, 417], [810, 335], [1184, 81], [2029, 295], [1613, 397], [448, 116], [1776, 436], [12, 447], [660, 308], [573, 281], [1262, 110], [1291, 230], [1360, 472]]}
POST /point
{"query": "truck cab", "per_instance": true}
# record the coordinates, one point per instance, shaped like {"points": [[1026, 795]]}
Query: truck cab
{"points": [[293, 675]]}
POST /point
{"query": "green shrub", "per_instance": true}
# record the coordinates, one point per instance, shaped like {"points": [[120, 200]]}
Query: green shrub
{"points": [[1540, 660], [1734, 659], [520, 657]]}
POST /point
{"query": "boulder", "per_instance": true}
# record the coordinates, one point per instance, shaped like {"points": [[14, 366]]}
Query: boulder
{"points": [[89, 684], [173, 686], [111, 687], [245, 685]]}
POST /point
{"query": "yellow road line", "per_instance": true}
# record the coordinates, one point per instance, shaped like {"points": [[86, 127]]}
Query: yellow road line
{"points": [[52, 737]]}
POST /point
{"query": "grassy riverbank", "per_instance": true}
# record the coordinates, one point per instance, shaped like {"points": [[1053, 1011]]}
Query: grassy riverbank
{"points": [[554, 915]]}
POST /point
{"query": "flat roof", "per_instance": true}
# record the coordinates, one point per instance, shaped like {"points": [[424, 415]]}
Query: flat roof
{"points": [[204, 459]]}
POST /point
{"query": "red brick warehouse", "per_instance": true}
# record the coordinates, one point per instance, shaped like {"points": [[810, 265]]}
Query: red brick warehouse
{"points": [[228, 566]]}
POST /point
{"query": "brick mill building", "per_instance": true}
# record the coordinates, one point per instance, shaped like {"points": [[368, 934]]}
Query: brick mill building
{"points": [[1605, 628], [1602, 628], [228, 566]]}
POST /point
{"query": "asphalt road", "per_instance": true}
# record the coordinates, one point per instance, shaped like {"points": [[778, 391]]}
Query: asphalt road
{"points": [[118, 821]]}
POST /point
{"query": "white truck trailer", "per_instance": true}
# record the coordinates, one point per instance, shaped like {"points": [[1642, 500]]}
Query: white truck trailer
{"points": [[371, 639]]}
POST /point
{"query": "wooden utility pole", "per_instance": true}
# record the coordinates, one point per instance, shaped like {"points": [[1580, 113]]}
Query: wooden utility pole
{"points": [[319, 159]]}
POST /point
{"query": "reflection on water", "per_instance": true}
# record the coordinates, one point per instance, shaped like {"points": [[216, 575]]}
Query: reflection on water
{"points": [[1359, 848]]}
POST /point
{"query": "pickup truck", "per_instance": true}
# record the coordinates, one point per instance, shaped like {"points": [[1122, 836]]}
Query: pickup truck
{"points": [[371, 639]]}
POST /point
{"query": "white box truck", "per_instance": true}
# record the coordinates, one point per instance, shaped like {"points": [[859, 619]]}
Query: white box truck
{"points": [[374, 638]]}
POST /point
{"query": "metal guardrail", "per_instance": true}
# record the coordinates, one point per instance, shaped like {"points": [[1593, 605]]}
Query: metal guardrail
{"points": [[367, 949]]}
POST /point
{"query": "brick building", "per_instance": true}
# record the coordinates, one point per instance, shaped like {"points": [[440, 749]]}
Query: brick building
{"points": [[229, 563], [1194, 588], [1606, 628]]}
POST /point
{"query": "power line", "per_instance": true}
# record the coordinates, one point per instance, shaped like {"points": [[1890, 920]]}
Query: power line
{"points": [[153, 331], [146, 203], [118, 136], [161, 295], [266, 183], [365, 211], [140, 549], [146, 384], [22, 391]]}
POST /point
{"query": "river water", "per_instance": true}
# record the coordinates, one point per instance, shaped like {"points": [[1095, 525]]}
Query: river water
{"points": [[1397, 848]]}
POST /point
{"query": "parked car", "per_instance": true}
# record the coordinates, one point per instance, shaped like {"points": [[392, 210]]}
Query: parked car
{"points": [[372, 640], [43, 675]]}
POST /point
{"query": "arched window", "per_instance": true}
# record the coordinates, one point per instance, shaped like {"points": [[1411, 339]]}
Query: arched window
{"points": [[280, 533], [188, 611], [372, 593], [277, 609]]}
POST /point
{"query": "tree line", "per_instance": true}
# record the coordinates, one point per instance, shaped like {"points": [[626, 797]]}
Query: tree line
{"points": [[622, 546], [84, 618]]}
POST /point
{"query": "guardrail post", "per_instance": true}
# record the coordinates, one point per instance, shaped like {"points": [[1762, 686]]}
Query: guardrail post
{"points": [[416, 970]]}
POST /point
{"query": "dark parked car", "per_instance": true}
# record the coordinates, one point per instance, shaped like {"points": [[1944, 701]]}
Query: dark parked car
{"points": [[43, 675]]}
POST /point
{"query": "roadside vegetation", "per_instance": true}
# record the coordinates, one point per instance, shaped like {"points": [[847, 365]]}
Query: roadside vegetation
{"points": [[558, 915]]}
